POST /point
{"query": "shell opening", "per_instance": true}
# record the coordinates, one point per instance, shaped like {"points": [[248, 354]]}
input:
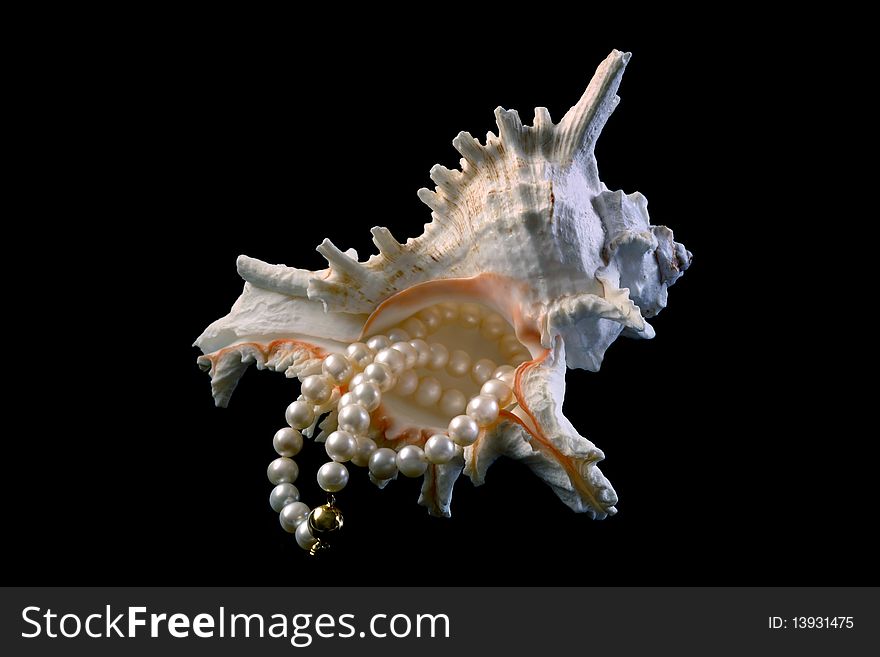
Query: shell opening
{"points": [[467, 345]]}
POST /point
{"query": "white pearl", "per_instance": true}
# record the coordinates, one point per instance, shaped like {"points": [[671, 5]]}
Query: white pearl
{"points": [[392, 358], [429, 391], [378, 342], [463, 430], [347, 400], [448, 311], [503, 371], [365, 448], [469, 315], [337, 369], [410, 353], [287, 442], [493, 326], [340, 446], [359, 354], [282, 471], [354, 419], [439, 449], [407, 383], [383, 463], [367, 394], [431, 318], [482, 371], [300, 415], [398, 335], [499, 390], [415, 327], [381, 375], [332, 476], [509, 378], [459, 363], [411, 461], [484, 409], [282, 495], [509, 344], [423, 351], [293, 515], [452, 402], [439, 356], [304, 536], [316, 388]]}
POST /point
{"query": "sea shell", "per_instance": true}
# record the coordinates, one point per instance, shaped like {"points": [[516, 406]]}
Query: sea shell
{"points": [[528, 261]]}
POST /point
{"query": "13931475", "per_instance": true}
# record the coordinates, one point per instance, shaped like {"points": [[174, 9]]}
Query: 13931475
{"points": [[810, 623]]}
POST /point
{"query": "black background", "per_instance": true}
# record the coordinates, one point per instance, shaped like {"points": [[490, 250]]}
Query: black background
{"points": [[191, 146]]}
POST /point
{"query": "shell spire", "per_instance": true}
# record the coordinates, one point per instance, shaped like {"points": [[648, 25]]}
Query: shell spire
{"points": [[580, 127], [578, 130]]}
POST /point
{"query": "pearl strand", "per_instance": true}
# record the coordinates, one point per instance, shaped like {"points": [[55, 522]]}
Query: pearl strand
{"points": [[382, 364]]}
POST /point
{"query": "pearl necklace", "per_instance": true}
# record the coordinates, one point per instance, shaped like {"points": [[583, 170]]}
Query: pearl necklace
{"points": [[367, 371]]}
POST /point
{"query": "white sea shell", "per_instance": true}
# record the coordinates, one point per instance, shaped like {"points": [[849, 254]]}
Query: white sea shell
{"points": [[527, 232]]}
